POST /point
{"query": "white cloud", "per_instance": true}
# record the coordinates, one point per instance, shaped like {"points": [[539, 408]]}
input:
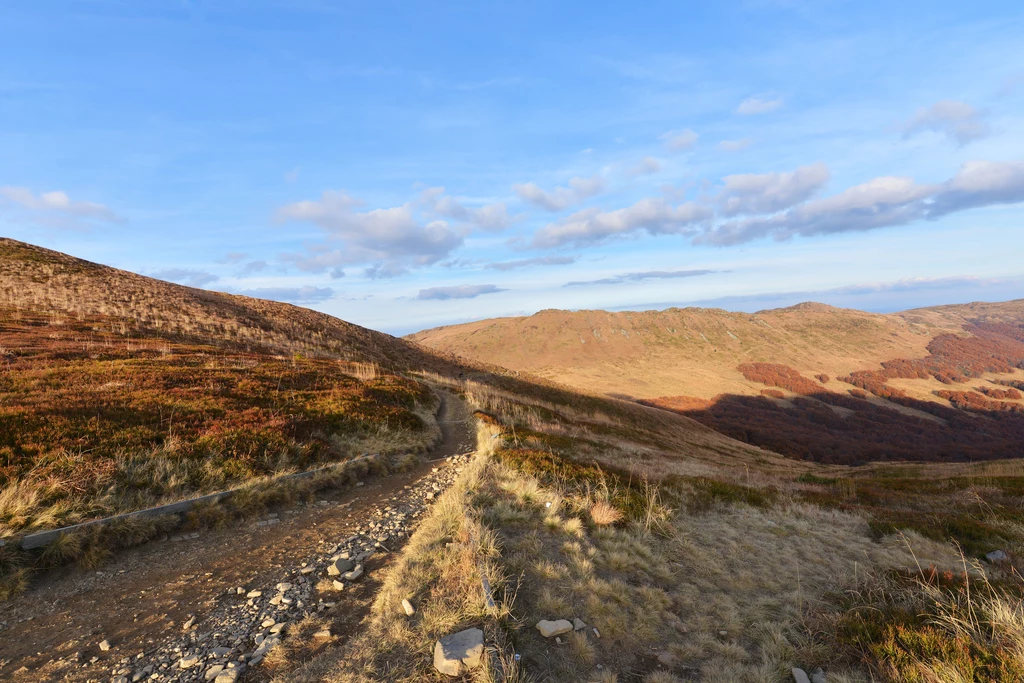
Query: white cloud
{"points": [[291, 295], [758, 105], [679, 141], [393, 237], [60, 203], [881, 202], [185, 276], [561, 197], [457, 292], [590, 226], [735, 145], [645, 166], [770, 192], [490, 217], [958, 121], [526, 263], [980, 183], [640, 277]]}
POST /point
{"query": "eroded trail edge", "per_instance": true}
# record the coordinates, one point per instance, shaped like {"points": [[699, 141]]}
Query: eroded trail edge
{"points": [[216, 606]]}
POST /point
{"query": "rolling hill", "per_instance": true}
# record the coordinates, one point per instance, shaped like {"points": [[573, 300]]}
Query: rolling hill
{"points": [[120, 391], [696, 351], [810, 381], [712, 548]]}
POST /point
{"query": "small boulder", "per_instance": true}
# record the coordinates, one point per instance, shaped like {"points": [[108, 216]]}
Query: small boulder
{"points": [[818, 676], [105, 645], [800, 676], [354, 574], [550, 629], [578, 625], [456, 653], [188, 662], [228, 675], [339, 567], [996, 556]]}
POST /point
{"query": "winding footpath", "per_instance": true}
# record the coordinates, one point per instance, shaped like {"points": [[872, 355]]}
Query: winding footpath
{"points": [[212, 606]]}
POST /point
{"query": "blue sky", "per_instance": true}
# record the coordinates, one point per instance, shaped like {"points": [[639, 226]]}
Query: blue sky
{"points": [[405, 165]]}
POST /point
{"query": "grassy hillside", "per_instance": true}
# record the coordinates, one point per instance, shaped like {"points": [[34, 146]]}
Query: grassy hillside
{"points": [[119, 392], [736, 571], [695, 555], [692, 351], [55, 284], [811, 381]]}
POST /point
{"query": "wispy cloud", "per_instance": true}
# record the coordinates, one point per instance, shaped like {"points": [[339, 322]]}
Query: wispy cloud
{"points": [[758, 105], [645, 166], [58, 202], [291, 295], [394, 238], [770, 192], [958, 121], [640, 277], [591, 226], [457, 292], [874, 296], [185, 276], [561, 197], [254, 267], [526, 263], [679, 140], [233, 257], [490, 217], [735, 145], [882, 202]]}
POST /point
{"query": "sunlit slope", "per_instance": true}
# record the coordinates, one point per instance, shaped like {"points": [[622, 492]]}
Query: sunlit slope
{"points": [[97, 326], [691, 351], [37, 279]]}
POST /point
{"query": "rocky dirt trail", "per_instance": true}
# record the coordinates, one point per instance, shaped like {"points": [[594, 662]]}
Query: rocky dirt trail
{"points": [[211, 606]]}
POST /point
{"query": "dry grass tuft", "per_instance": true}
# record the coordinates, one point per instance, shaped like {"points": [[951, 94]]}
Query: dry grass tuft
{"points": [[604, 514]]}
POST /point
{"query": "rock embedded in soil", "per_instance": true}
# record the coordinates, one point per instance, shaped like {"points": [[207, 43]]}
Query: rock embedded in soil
{"points": [[800, 676], [340, 566], [550, 629], [996, 556], [409, 609], [459, 652], [578, 625], [105, 645]]}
